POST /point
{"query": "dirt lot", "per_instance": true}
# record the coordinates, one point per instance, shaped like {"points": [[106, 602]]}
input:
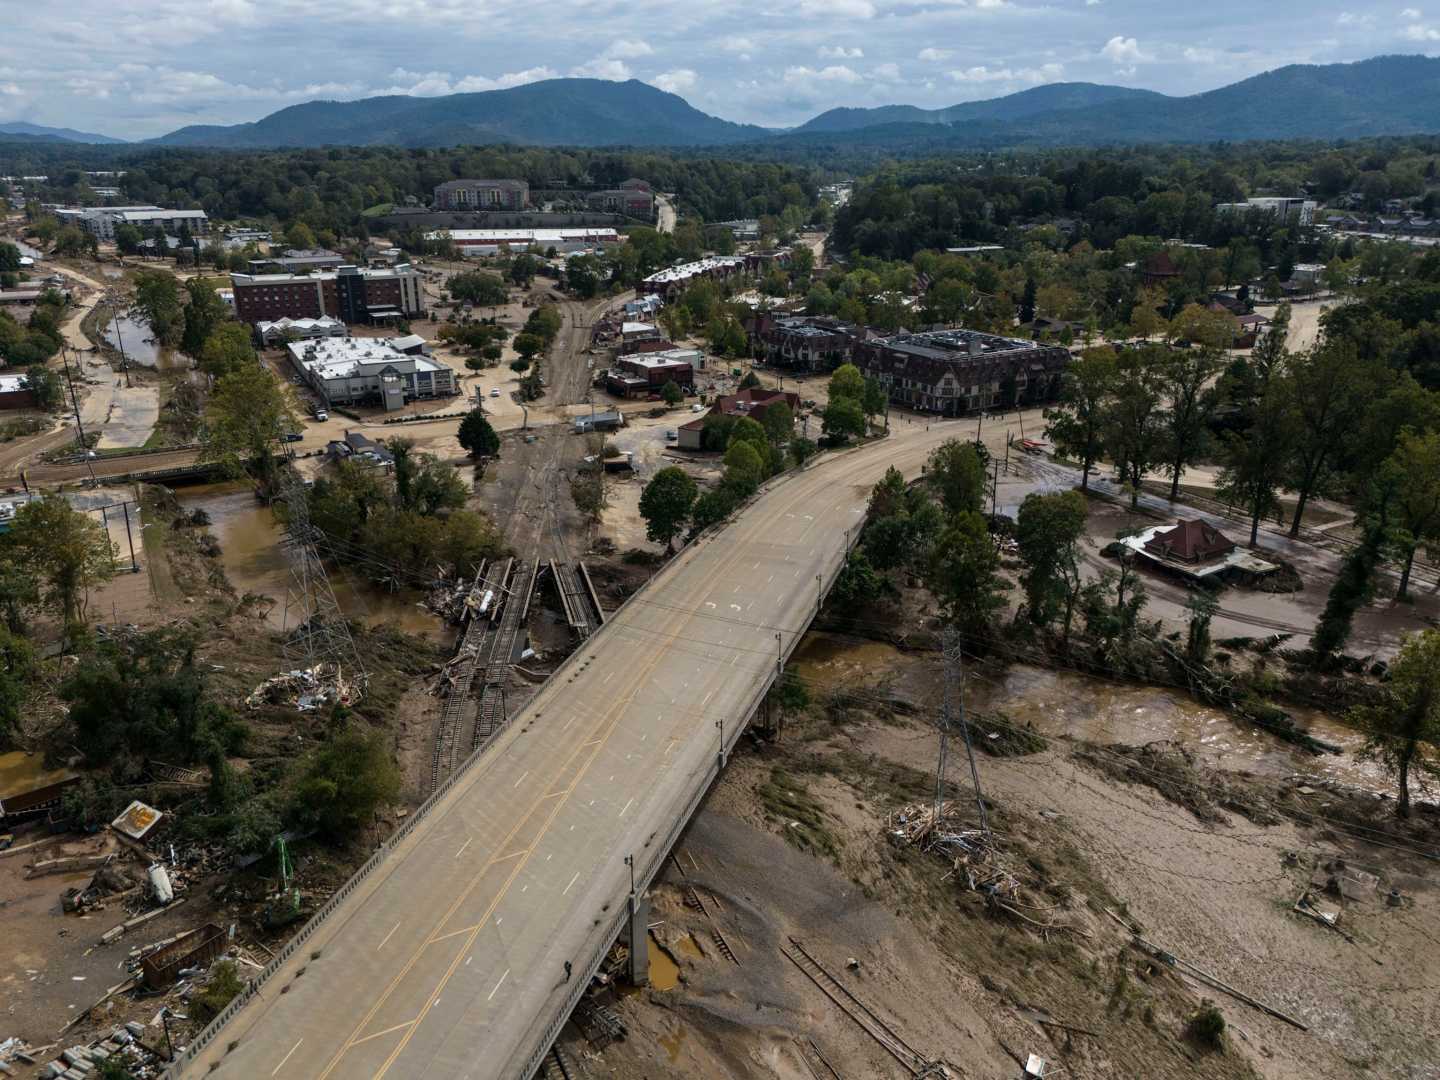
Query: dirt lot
{"points": [[961, 982]]}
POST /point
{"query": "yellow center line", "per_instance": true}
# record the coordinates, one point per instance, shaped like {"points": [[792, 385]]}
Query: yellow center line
{"points": [[387, 1031]]}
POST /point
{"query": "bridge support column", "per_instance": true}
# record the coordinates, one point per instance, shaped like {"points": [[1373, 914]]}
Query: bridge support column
{"points": [[639, 933]]}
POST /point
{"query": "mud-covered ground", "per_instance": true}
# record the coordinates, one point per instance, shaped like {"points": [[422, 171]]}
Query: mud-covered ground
{"points": [[1207, 861]]}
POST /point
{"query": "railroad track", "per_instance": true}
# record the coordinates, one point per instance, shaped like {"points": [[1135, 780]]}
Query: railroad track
{"points": [[478, 631], [914, 1062]]}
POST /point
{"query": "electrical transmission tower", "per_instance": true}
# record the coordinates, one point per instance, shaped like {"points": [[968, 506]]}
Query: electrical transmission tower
{"points": [[316, 634], [952, 712]]}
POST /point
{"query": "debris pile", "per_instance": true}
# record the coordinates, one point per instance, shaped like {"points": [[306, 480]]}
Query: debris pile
{"points": [[975, 861], [306, 689]]}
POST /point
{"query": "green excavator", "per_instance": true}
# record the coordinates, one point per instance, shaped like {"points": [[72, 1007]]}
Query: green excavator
{"points": [[284, 906]]}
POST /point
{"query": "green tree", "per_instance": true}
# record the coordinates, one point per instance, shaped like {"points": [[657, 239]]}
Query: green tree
{"points": [[665, 504], [128, 238], [802, 450], [779, 423], [477, 437], [228, 348], [847, 382], [964, 575], [1350, 592], [528, 346], [1330, 390], [205, 312], [1202, 607], [129, 697], [1413, 473], [1050, 530], [244, 418], [67, 551], [743, 461], [842, 419], [1077, 425], [479, 288], [44, 386], [9, 257], [157, 297], [671, 394], [1133, 437], [956, 472], [873, 401], [300, 237], [1402, 729], [339, 787], [1187, 385]]}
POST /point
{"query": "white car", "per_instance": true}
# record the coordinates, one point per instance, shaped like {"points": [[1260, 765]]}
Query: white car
{"points": [[494, 391]]}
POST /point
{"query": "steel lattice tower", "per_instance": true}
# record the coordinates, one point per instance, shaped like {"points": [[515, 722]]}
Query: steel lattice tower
{"points": [[315, 629]]}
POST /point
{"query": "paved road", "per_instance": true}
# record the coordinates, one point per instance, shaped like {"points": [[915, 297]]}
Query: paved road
{"points": [[448, 960]]}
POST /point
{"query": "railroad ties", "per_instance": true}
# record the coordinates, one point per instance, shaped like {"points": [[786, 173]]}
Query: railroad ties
{"points": [[474, 708], [577, 597], [914, 1062]]}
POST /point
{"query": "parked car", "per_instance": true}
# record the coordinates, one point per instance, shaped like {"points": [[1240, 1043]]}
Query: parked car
{"points": [[291, 436], [494, 391], [672, 435]]}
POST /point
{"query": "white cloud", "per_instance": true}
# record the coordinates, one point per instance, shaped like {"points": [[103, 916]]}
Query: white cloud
{"points": [[439, 83], [737, 45], [1420, 32], [1092, 3], [933, 56], [1410, 13], [1200, 55], [602, 68], [838, 73], [838, 9], [675, 82], [983, 74], [840, 52], [886, 72], [1350, 18], [623, 49], [1123, 50]]}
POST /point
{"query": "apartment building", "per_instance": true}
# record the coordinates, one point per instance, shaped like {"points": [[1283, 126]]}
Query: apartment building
{"points": [[951, 372], [1292, 211], [482, 195], [349, 293]]}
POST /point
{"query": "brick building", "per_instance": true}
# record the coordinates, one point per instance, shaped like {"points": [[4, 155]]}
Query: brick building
{"points": [[754, 403], [351, 294], [631, 202], [644, 374], [951, 372], [482, 195], [805, 342]]}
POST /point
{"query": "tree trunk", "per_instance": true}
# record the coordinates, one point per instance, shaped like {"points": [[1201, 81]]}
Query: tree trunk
{"points": [[1404, 590], [1402, 806], [1175, 470], [1254, 521], [1085, 474], [1300, 502]]}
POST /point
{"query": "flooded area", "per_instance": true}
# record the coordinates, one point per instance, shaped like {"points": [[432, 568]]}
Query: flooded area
{"points": [[1068, 703], [253, 557], [664, 972], [132, 337], [26, 251]]}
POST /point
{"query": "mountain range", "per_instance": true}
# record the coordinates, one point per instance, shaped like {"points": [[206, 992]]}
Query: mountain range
{"points": [[20, 131], [1386, 95]]}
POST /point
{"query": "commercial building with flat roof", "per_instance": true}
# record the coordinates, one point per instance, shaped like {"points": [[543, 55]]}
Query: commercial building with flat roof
{"points": [[350, 293], [352, 371], [951, 372], [482, 195], [282, 331], [492, 241], [295, 261], [642, 375]]}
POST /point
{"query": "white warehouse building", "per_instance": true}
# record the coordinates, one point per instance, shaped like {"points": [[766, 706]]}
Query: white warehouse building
{"points": [[478, 242], [391, 371]]}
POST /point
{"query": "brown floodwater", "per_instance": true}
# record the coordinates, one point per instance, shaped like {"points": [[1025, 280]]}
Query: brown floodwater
{"points": [[1068, 703], [254, 560], [664, 972], [132, 336]]}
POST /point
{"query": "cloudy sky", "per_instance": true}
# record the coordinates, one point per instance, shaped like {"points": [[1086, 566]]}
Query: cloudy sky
{"points": [[137, 68]]}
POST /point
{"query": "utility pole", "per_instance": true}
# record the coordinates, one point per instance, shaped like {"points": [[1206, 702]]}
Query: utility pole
{"points": [[955, 688], [119, 340], [995, 487], [79, 425], [819, 594]]}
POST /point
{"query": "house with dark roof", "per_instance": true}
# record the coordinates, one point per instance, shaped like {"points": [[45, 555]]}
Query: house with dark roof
{"points": [[806, 342], [1197, 551], [1159, 269], [1190, 541]]}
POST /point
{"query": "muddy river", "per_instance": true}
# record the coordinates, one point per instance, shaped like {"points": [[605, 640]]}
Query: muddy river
{"points": [[1067, 703], [254, 561], [131, 335]]}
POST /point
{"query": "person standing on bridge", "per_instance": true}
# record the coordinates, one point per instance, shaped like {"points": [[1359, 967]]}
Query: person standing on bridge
{"points": [[567, 970]]}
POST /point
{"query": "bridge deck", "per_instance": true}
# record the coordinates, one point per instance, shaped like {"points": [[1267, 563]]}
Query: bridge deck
{"points": [[447, 958]]}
